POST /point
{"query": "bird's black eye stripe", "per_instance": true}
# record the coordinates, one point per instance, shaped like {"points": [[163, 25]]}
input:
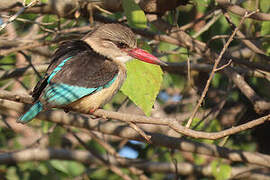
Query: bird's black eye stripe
{"points": [[121, 45]]}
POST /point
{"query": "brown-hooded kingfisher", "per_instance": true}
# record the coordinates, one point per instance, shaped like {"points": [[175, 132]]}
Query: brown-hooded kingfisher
{"points": [[85, 74]]}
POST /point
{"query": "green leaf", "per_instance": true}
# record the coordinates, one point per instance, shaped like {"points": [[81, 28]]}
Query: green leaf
{"points": [[28, 1], [264, 6], [142, 84], [220, 171], [75, 168], [97, 147], [11, 174], [135, 16], [216, 80], [59, 165], [225, 171], [45, 126], [202, 5], [99, 173], [70, 168], [199, 160], [265, 28]]}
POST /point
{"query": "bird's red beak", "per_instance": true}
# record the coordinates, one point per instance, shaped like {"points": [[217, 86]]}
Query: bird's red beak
{"points": [[145, 56]]}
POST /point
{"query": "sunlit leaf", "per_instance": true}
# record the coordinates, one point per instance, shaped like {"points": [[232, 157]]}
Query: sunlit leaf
{"points": [[142, 84]]}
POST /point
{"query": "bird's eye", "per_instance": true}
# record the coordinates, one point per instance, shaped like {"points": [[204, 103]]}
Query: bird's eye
{"points": [[122, 45]]}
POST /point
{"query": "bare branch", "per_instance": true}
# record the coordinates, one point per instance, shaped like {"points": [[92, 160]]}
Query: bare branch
{"points": [[12, 18], [172, 123], [225, 47], [241, 11], [156, 139], [39, 154]]}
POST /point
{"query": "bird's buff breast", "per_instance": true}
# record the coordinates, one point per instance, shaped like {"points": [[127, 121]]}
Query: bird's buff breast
{"points": [[92, 102]]}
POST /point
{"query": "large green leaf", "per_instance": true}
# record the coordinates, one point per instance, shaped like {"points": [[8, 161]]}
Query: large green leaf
{"points": [[142, 84], [143, 80], [135, 16]]}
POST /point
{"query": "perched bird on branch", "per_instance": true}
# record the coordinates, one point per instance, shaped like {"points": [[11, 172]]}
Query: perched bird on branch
{"points": [[85, 74]]}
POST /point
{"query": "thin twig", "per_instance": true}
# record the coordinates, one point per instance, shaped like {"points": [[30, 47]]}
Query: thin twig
{"points": [[12, 18], [251, 45], [235, 9], [217, 15], [188, 70], [37, 141], [112, 167], [214, 67], [223, 66], [140, 131], [204, 17], [112, 151]]}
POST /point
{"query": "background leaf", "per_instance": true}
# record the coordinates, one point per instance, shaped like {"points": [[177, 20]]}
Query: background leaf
{"points": [[265, 28], [135, 16], [220, 171], [70, 168]]}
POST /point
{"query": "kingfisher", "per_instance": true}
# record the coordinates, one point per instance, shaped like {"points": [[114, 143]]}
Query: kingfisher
{"points": [[85, 74]]}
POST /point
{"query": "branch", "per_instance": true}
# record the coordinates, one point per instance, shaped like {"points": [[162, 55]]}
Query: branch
{"points": [[241, 11], [260, 105], [102, 160], [40, 154], [12, 18], [217, 61], [13, 73], [170, 122], [122, 130]]}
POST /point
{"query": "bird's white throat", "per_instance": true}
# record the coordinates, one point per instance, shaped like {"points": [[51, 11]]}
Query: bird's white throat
{"points": [[123, 59]]}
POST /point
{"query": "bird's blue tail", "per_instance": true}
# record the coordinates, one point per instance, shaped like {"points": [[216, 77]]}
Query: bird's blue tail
{"points": [[31, 113]]}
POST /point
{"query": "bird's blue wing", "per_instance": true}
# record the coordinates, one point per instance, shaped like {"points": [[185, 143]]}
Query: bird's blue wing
{"points": [[60, 94], [61, 90], [76, 64]]}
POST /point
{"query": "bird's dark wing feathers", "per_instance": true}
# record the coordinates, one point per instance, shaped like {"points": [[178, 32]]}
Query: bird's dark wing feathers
{"points": [[42, 83], [86, 68]]}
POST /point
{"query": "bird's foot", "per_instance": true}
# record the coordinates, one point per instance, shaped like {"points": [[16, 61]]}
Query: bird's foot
{"points": [[91, 111]]}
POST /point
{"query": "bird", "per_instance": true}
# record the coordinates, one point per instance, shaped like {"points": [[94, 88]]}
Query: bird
{"points": [[85, 74]]}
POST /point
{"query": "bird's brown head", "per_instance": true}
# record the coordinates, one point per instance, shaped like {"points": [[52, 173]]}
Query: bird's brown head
{"points": [[118, 43]]}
